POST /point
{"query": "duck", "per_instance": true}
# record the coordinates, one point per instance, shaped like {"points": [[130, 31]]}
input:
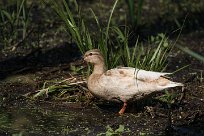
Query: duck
{"points": [[123, 84]]}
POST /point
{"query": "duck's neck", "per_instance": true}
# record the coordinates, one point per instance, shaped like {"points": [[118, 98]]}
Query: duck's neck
{"points": [[99, 68]]}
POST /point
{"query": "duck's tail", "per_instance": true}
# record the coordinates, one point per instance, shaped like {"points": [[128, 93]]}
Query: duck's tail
{"points": [[166, 83], [174, 84]]}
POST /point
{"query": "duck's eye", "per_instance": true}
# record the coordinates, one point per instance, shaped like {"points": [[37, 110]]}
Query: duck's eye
{"points": [[90, 54]]}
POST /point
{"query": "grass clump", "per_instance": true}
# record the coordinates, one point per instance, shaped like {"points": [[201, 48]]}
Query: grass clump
{"points": [[14, 24], [112, 40], [80, 33]]}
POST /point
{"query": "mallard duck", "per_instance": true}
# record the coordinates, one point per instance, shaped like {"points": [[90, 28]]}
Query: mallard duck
{"points": [[123, 83]]}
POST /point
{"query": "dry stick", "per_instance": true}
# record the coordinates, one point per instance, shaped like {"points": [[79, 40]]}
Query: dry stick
{"points": [[72, 81], [183, 90], [183, 94], [77, 83]]}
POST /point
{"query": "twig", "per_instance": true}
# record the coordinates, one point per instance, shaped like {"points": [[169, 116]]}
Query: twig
{"points": [[22, 40]]}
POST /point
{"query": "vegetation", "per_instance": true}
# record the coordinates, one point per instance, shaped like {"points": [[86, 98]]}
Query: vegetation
{"points": [[135, 18], [15, 24], [110, 132], [113, 42], [192, 53]]}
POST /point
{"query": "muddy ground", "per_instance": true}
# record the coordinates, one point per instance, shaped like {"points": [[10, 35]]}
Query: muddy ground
{"points": [[24, 71]]}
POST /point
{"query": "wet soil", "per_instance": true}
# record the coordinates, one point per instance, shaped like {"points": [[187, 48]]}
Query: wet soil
{"points": [[24, 71]]}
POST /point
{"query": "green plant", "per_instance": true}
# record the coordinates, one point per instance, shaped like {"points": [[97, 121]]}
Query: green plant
{"points": [[156, 55], [168, 98], [5, 121], [14, 22], [112, 41], [192, 53], [76, 69], [185, 49], [153, 56], [110, 132], [77, 30], [18, 134], [135, 15], [80, 33]]}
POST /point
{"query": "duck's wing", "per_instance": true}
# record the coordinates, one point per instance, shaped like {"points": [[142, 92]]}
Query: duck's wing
{"points": [[138, 74], [115, 84], [127, 82]]}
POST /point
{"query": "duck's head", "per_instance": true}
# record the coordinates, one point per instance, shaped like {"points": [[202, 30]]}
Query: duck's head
{"points": [[94, 56]]}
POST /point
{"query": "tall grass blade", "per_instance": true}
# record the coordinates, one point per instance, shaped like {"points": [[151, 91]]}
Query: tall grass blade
{"points": [[96, 19], [139, 12], [192, 53], [109, 21]]}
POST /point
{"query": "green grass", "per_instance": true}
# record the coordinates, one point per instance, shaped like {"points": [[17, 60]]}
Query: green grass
{"points": [[135, 12], [111, 40], [14, 23], [111, 132], [168, 98], [74, 27], [192, 53], [78, 30]]}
